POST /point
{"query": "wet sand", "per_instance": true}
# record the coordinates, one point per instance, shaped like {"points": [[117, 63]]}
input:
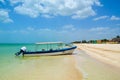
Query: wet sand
{"points": [[94, 69]]}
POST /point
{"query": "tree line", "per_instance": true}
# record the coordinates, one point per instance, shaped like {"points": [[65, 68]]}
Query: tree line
{"points": [[115, 39]]}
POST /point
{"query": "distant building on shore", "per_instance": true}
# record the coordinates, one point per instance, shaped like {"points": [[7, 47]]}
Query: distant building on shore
{"points": [[115, 40]]}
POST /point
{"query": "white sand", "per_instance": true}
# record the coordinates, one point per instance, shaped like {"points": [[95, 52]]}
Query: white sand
{"points": [[107, 53]]}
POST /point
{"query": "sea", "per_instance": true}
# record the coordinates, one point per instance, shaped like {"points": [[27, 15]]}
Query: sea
{"points": [[78, 66], [35, 68]]}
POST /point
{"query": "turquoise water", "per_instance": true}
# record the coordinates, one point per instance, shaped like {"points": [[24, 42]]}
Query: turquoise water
{"points": [[35, 68], [9, 63], [7, 52], [65, 67]]}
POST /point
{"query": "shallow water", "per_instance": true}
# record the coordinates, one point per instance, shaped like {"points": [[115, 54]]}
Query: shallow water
{"points": [[65, 67], [35, 68]]}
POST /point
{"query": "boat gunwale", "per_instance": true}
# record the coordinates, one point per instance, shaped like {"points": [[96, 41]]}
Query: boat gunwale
{"points": [[50, 51]]}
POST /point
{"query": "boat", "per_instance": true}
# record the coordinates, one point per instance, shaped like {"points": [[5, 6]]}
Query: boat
{"points": [[51, 48]]}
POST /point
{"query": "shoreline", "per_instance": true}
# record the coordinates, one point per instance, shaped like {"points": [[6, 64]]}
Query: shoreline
{"points": [[106, 53], [94, 69]]}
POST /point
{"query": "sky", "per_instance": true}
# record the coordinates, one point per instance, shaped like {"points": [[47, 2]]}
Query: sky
{"points": [[30, 21]]}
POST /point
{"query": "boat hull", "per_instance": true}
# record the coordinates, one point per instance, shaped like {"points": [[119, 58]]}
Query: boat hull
{"points": [[67, 51]]}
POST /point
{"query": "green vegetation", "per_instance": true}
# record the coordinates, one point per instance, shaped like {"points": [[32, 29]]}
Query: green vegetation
{"points": [[113, 41]]}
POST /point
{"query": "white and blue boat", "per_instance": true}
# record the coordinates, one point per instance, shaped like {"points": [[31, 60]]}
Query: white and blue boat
{"points": [[48, 48]]}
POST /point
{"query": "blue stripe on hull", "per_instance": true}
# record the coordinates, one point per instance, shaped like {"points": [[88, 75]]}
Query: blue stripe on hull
{"points": [[53, 51]]}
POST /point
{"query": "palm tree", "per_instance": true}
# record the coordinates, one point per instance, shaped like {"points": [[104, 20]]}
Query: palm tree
{"points": [[117, 36], [84, 41], [104, 40]]}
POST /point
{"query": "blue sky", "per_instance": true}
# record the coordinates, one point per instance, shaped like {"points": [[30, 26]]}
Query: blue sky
{"points": [[58, 20]]}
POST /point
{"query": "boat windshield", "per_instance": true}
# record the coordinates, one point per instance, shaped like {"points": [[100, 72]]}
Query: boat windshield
{"points": [[49, 46]]}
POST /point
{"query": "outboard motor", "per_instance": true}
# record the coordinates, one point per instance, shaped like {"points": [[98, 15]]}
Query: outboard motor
{"points": [[22, 50]]}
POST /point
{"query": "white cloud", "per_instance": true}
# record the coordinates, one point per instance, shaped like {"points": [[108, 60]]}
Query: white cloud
{"points": [[32, 34], [4, 16], [69, 27], [105, 17], [99, 29], [47, 16], [74, 8], [114, 18], [30, 28], [84, 13], [101, 17]]}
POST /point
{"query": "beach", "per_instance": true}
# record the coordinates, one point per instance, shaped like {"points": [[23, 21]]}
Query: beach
{"points": [[86, 63], [59, 39], [107, 53], [98, 61]]}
